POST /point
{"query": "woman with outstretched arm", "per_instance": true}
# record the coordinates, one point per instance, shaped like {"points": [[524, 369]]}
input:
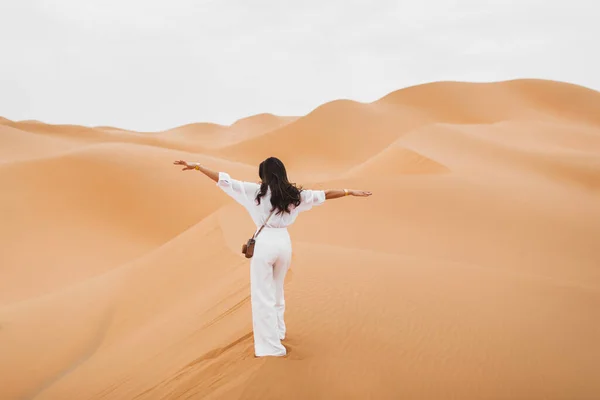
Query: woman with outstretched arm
{"points": [[274, 204]]}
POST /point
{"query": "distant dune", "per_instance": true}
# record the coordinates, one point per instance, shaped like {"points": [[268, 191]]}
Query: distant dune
{"points": [[471, 273], [215, 136]]}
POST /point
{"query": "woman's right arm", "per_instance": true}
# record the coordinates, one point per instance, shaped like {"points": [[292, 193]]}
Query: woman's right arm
{"points": [[337, 193], [310, 198]]}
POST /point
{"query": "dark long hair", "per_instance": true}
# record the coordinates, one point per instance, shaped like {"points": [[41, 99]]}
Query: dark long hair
{"points": [[273, 176]]}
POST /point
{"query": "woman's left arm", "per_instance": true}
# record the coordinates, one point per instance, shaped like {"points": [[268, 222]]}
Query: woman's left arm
{"points": [[197, 166]]}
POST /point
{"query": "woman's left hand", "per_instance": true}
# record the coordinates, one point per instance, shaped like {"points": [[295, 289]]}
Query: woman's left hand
{"points": [[187, 166]]}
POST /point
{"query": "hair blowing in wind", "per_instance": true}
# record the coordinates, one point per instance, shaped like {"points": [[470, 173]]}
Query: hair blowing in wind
{"points": [[274, 176]]}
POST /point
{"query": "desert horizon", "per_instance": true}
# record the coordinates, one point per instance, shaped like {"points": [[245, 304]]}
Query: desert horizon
{"points": [[275, 118], [473, 271]]}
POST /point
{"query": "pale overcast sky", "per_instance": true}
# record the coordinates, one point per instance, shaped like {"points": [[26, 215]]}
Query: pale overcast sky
{"points": [[156, 64]]}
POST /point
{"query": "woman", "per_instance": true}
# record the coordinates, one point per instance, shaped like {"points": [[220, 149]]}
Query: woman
{"points": [[275, 202]]}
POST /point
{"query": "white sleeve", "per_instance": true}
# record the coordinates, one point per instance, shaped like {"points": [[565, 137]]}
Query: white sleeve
{"points": [[310, 198], [242, 192]]}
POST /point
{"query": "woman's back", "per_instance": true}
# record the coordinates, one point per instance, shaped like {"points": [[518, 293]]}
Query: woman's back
{"points": [[245, 194]]}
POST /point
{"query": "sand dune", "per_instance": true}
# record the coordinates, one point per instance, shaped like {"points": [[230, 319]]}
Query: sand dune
{"points": [[213, 136], [467, 103], [472, 272], [394, 161], [346, 132], [20, 144]]}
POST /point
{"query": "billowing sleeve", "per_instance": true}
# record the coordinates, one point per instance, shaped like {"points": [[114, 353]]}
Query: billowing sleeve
{"points": [[240, 191], [310, 198]]}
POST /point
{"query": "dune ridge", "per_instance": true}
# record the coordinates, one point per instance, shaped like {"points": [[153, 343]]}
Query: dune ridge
{"points": [[472, 272]]}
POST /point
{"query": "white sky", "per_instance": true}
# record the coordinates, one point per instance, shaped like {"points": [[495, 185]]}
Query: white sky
{"points": [[156, 64]]}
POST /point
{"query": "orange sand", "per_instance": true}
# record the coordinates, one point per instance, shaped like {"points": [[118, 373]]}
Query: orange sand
{"points": [[473, 272]]}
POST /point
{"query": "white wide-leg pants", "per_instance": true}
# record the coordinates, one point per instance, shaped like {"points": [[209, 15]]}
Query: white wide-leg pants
{"points": [[268, 267]]}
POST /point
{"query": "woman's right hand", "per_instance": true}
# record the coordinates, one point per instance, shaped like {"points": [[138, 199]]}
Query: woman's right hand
{"points": [[360, 193]]}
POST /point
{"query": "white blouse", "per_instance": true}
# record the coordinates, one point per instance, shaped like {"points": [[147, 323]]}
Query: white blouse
{"points": [[245, 194]]}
